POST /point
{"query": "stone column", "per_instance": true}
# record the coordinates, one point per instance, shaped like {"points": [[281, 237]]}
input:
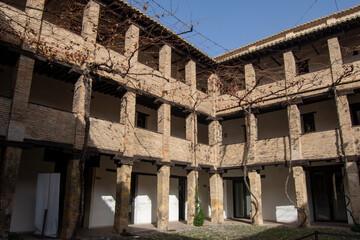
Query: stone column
{"points": [[132, 44], [301, 196], [216, 198], [123, 187], [165, 61], [72, 199], [9, 166], [163, 188], [353, 186], [251, 136], [192, 184], [294, 131], [256, 204]]}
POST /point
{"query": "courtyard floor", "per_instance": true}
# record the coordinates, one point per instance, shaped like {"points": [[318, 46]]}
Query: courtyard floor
{"points": [[231, 229]]}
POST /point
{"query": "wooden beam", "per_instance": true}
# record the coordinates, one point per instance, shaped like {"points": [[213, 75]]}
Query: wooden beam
{"points": [[276, 61], [315, 49]]}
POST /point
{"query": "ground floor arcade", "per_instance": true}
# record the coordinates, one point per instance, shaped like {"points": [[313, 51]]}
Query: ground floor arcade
{"points": [[223, 193]]}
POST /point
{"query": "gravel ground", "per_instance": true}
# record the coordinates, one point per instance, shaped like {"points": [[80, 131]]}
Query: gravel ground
{"points": [[240, 232]]}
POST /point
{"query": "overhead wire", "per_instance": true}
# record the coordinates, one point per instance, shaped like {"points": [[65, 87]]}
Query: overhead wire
{"points": [[301, 18]]}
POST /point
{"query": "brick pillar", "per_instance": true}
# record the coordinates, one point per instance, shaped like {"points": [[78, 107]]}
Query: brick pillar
{"points": [[123, 180], [34, 11], [290, 72], [336, 61], [250, 78], [90, 21], [344, 116], [132, 44], [251, 136], [216, 198], [213, 91], [9, 172], [255, 187], [123, 187], [163, 190], [72, 199], [81, 104], [192, 184], [163, 174], [215, 140], [23, 78], [301, 196], [294, 131], [353, 186], [9, 166], [290, 66], [164, 126], [127, 117], [165, 61]]}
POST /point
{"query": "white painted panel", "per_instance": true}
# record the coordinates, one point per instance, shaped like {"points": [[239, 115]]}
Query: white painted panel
{"points": [[145, 200], [174, 200], [286, 213]]}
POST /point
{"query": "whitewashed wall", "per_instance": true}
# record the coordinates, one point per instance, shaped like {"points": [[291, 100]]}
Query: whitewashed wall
{"points": [[103, 195], [25, 195]]}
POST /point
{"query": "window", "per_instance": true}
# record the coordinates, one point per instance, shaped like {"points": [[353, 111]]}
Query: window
{"points": [[303, 67], [355, 113], [141, 119], [308, 122]]}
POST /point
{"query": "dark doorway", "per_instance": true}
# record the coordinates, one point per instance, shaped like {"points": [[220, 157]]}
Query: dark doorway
{"points": [[242, 201], [328, 194], [182, 198], [132, 197]]}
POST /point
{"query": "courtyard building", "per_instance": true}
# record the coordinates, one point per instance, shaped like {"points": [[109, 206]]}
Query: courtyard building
{"points": [[108, 118]]}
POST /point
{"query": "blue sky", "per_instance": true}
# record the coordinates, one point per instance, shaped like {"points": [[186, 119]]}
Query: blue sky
{"points": [[235, 23]]}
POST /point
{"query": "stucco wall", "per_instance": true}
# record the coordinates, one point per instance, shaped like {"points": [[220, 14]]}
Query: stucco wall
{"points": [[233, 131], [273, 124], [273, 190], [105, 107], [51, 92], [324, 114], [25, 195], [103, 195]]}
